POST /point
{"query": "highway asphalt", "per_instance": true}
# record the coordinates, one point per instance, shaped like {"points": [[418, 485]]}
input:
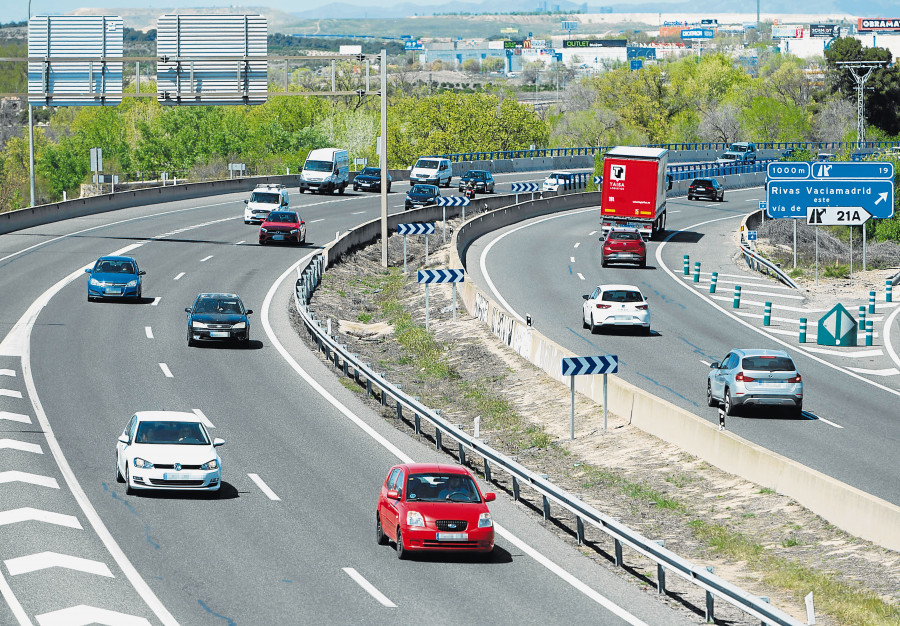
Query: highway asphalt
{"points": [[291, 539]]}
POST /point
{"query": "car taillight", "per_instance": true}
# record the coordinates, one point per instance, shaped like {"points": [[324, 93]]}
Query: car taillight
{"points": [[795, 379], [603, 306], [641, 307], [740, 376]]}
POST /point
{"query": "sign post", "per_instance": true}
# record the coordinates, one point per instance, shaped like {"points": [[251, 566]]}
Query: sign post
{"points": [[524, 187], [576, 366], [445, 201], [414, 229], [427, 277]]}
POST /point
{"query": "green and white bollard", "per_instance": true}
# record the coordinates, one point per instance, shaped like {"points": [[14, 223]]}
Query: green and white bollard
{"points": [[869, 333], [687, 264], [737, 297], [767, 315], [888, 287], [871, 303], [713, 281], [862, 317], [697, 271], [802, 337]]}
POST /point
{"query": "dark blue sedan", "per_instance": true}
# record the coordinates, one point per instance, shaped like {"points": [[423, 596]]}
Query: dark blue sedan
{"points": [[115, 277], [218, 317]]}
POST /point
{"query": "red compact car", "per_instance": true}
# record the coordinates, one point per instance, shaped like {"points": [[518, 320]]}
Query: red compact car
{"points": [[282, 226], [624, 245], [430, 506]]}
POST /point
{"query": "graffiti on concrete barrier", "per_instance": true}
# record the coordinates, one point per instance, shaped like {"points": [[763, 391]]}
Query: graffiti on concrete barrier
{"points": [[502, 326], [522, 341], [481, 308]]}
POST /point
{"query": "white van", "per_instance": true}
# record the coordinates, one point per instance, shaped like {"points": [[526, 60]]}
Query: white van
{"points": [[263, 200], [326, 170], [431, 171]]}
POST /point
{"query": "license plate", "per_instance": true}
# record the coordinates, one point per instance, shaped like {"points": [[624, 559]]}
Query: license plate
{"points": [[453, 536], [170, 476], [278, 237], [114, 291], [219, 333], [623, 318]]}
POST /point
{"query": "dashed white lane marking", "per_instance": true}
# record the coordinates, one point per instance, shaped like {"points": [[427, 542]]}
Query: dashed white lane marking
{"points": [[7, 373], [10, 393], [369, 587], [203, 418], [674, 211], [84, 614], [571, 259], [859, 354], [358, 213], [27, 514], [46, 560], [891, 371], [155, 301], [24, 446], [706, 363], [321, 219], [263, 487], [192, 227], [149, 332], [179, 276], [205, 259], [15, 417], [237, 243], [829, 422], [592, 233], [165, 370], [577, 243], [14, 476], [580, 276]]}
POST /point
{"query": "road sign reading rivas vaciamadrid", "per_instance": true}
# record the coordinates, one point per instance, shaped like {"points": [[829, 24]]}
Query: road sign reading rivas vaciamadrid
{"points": [[837, 328]]}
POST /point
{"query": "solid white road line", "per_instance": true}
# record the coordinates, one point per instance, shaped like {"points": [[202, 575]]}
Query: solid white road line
{"points": [[887, 336], [205, 259], [15, 417], [149, 332], [891, 371], [859, 354], [46, 560], [10, 393], [84, 614], [321, 219], [14, 605], [179, 276], [369, 587], [829, 422], [27, 514], [263, 487], [7, 373], [165, 370], [580, 276], [577, 243], [156, 301], [203, 418], [23, 446], [405, 458], [13, 476]]}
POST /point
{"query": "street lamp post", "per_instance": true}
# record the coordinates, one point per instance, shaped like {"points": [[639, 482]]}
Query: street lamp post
{"points": [[30, 134]]}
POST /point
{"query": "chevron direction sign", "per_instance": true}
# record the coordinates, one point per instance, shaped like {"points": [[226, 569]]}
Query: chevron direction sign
{"points": [[579, 365], [518, 187], [415, 229], [441, 276], [452, 201], [598, 180]]}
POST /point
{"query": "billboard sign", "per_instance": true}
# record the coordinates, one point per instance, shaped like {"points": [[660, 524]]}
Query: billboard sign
{"points": [[636, 64], [787, 32], [878, 23], [635, 52], [595, 43], [351, 49], [823, 30], [698, 33], [412, 45]]}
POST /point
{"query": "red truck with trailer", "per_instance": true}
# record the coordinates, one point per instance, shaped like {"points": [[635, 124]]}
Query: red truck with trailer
{"points": [[634, 189]]}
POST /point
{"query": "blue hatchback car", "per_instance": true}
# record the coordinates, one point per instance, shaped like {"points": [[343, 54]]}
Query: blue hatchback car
{"points": [[115, 277]]}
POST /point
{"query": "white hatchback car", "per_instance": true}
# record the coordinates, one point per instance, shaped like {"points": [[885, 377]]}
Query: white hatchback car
{"points": [[615, 305], [168, 450]]}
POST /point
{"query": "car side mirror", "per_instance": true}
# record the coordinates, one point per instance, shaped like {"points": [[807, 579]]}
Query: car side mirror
{"points": [[586, 296], [142, 273], [88, 270], [218, 441], [393, 494], [123, 438], [490, 496], [246, 202], [714, 365], [187, 309], [249, 311]]}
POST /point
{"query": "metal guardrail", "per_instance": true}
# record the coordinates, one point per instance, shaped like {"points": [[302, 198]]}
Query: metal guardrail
{"points": [[706, 170], [522, 476], [758, 263]]}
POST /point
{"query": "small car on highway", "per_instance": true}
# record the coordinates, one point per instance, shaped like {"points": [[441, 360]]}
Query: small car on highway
{"points": [[115, 277], [615, 305], [430, 506], [263, 200], [218, 317], [421, 195], [282, 226], [558, 180], [482, 179], [168, 450], [706, 188], [755, 378], [624, 245], [369, 179]]}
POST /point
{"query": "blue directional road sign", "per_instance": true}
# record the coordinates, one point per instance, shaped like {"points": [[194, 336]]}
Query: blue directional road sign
{"points": [[452, 201], [415, 229], [517, 187], [598, 180], [751, 235], [441, 276], [576, 366]]}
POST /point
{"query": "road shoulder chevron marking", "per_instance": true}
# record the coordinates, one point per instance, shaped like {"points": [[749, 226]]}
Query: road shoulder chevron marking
{"points": [[15, 417], [14, 476], [24, 446], [46, 560], [28, 514], [82, 615]]}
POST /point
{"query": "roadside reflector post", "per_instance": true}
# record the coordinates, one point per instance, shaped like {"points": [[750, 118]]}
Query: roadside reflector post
{"points": [[487, 471], [802, 337], [737, 297], [687, 264], [862, 317], [721, 419], [515, 489], [697, 271], [710, 606], [661, 573], [477, 433], [767, 314], [618, 551], [871, 302], [888, 287], [713, 281], [579, 530], [869, 332]]}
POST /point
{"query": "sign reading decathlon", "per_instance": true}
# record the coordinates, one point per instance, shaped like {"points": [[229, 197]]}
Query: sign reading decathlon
{"points": [[594, 43], [698, 33], [879, 23]]}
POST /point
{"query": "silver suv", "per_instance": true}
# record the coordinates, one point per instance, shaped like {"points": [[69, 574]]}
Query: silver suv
{"points": [[755, 377]]}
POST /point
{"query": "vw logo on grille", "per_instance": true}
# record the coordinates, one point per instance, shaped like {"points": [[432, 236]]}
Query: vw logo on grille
{"points": [[178, 467]]}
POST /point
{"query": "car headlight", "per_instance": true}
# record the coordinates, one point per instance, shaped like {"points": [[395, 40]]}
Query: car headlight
{"points": [[239, 326], [139, 462], [414, 518], [294, 231], [132, 283], [408, 199], [198, 325], [485, 521], [262, 230], [95, 282], [210, 466]]}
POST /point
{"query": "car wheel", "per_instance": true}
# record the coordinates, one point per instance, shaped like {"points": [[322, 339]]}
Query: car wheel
{"points": [[594, 327], [190, 340], [380, 538], [603, 263], [341, 190], [389, 189], [645, 331], [642, 264], [262, 242], [710, 401], [730, 409], [401, 550], [798, 411], [119, 478], [128, 490], [690, 197], [584, 322]]}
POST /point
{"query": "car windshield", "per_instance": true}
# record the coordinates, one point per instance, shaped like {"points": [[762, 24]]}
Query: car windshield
{"points": [[426, 164], [230, 306], [626, 236], [264, 197], [115, 267], [422, 189], [318, 166], [703, 181], [370, 171], [557, 175], [168, 433], [621, 295], [283, 217], [768, 363], [728, 157], [441, 488], [475, 175], [738, 148]]}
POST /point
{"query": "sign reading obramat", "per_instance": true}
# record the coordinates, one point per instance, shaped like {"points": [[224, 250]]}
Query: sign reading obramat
{"points": [[594, 43], [879, 23]]}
